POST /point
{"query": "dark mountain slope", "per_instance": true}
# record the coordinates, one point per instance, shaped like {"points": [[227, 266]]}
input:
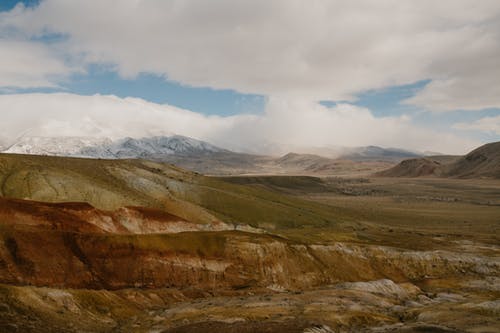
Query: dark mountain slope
{"points": [[483, 162]]}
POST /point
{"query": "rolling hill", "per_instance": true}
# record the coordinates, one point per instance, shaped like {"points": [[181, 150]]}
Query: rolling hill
{"points": [[415, 167], [483, 162], [310, 164], [375, 153], [111, 184]]}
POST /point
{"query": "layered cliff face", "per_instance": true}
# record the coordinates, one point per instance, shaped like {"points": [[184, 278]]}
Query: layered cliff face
{"points": [[86, 256], [231, 281]]}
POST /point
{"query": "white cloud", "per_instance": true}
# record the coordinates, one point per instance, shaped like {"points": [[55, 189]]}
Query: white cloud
{"points": [[468, 76], [285, 123], [314, 50], [28, 65], [62, 114], [486, 124]]}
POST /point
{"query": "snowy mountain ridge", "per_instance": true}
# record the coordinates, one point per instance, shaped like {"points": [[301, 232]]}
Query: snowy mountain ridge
{"points": [[111, 149]]}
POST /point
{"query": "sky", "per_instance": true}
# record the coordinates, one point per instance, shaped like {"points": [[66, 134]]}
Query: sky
{"points": [[254, 75]]}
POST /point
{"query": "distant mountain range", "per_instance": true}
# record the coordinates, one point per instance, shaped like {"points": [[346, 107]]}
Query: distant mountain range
{"points": [[204, 157], [483, 162]]}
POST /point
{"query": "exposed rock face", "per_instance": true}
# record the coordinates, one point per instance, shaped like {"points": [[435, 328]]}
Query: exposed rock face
{"points": [[383, 287], [371, 306], [93, 258]]}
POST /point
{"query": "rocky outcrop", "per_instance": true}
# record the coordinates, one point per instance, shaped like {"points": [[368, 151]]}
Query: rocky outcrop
{"points": [[213, 260], [370, 306]]}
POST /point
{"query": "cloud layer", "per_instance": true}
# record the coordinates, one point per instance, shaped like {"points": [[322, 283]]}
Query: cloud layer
{"points": [[28, 64], [286, 124], [486, 124], [321, 50]]}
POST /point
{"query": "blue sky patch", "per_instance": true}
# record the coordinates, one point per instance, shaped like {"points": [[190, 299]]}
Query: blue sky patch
{"points": [[9, 4], [157, 89]]}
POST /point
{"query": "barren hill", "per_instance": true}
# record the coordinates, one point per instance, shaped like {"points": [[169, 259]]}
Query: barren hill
{"points": [[415, 167], [112, 184], [310, 164], [483, 162]]}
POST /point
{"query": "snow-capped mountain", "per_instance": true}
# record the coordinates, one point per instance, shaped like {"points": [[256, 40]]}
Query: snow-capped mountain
{"points": [[151, 147], [58, 146], [107, 148]]}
